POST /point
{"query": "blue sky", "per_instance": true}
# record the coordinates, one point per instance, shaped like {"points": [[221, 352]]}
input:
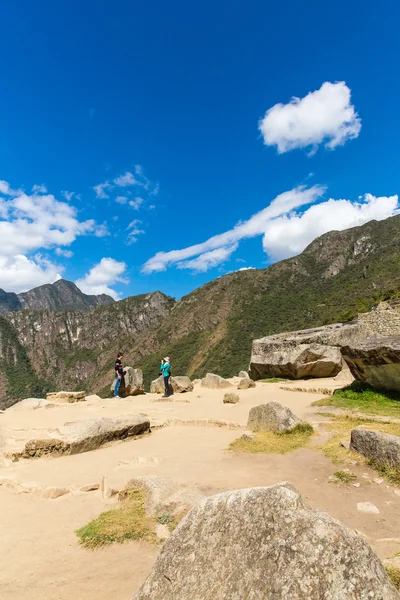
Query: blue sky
{"points": [[165, 105]]}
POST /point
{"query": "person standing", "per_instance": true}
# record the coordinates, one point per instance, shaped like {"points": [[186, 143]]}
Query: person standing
{"points": [[119, 371], [165, 369]]}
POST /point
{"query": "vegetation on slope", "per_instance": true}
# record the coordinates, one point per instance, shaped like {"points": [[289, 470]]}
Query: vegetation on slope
{"points": [[361, 398], [19, 379]]}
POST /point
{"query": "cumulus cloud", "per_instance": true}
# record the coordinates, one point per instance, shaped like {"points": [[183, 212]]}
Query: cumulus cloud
{"points": [[20, 273], [287, 225], [136, 202], [126, 180], [325, 115], [106, 273], [254, 226], [68, 195], [28, 223], [290, 234]]}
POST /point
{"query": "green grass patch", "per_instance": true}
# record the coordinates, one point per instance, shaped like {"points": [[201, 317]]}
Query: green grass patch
{"points": [[345, 476], [360, 398], [126, 522], [342, 426], [268, 442], [391, 473], [394, 575]]}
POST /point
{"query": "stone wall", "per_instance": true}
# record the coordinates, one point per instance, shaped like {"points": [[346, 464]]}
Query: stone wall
{"points": [[383, 320]]}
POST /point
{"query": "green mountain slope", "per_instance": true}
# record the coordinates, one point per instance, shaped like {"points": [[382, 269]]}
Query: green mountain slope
{"points": [[211, 329]]}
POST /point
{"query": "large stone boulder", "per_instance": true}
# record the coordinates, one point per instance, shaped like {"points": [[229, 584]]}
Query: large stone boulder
{"points": [[246, 383], [243, 375], [381, 447], [375, 361], [215, 382], [131, 383], [265, 544], [302, 354], [65, 396], [177, 385], [272, 417], [82, 436]]}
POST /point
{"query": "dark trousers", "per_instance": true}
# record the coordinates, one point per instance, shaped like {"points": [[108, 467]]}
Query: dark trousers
{"points": [[166, 385]]}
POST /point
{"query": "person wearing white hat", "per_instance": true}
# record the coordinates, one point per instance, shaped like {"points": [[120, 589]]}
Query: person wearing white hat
{"points": [[165, 369]]}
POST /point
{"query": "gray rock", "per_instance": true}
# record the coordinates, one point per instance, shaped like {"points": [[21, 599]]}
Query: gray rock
{"points": [[381, 447], [302, 354], [264, 544], [367, 507], [82, 436], [215, 382], [272, 417], [243, 374], [177, 385], [246, 383], [231, 398], [375, 361], [131, 384]]}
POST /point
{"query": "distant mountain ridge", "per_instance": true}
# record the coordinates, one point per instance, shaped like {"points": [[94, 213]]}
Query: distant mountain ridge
{"points": [[52, 296], [338, 275]]}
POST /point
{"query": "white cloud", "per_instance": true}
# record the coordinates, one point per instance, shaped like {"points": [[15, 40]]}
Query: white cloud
{"points": [[290, 234], [207, 260], [6, 189], [136, 203], [101, 230], [246, 269], [20, 273], [65, 253], [101, 188], [126, 180], [256, 225], [28, 223], [134, 231], [106, 273], [148, 189], [68, 195], [41, 189], [325, 115], [287, 226]]}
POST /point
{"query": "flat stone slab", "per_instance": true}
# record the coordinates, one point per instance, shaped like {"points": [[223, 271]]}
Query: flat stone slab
{"points": [[66, 396], [82, 436]]}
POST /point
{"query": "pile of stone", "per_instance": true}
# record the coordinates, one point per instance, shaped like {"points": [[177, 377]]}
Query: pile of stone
{"points": [[131, 384]]}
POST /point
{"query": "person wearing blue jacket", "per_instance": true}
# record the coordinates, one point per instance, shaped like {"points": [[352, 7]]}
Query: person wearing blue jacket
{"points": [[165, 369]]}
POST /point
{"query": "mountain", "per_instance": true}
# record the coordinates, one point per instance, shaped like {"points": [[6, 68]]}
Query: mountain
{"points": [[211, 329], [52, 296]]}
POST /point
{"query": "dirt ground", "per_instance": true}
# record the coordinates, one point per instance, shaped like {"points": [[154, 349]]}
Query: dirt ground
{"points": [[41, 557]]}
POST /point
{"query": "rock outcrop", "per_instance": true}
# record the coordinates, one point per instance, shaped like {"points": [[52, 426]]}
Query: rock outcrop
{"points": [[264, 544], [380, 447], [177, 385], [246, 383], [131, 383], [231, 398], [243, 375], [65, 396], [272, 417], [82, 436], [215, 382], [302, 354], [375, 361]]}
